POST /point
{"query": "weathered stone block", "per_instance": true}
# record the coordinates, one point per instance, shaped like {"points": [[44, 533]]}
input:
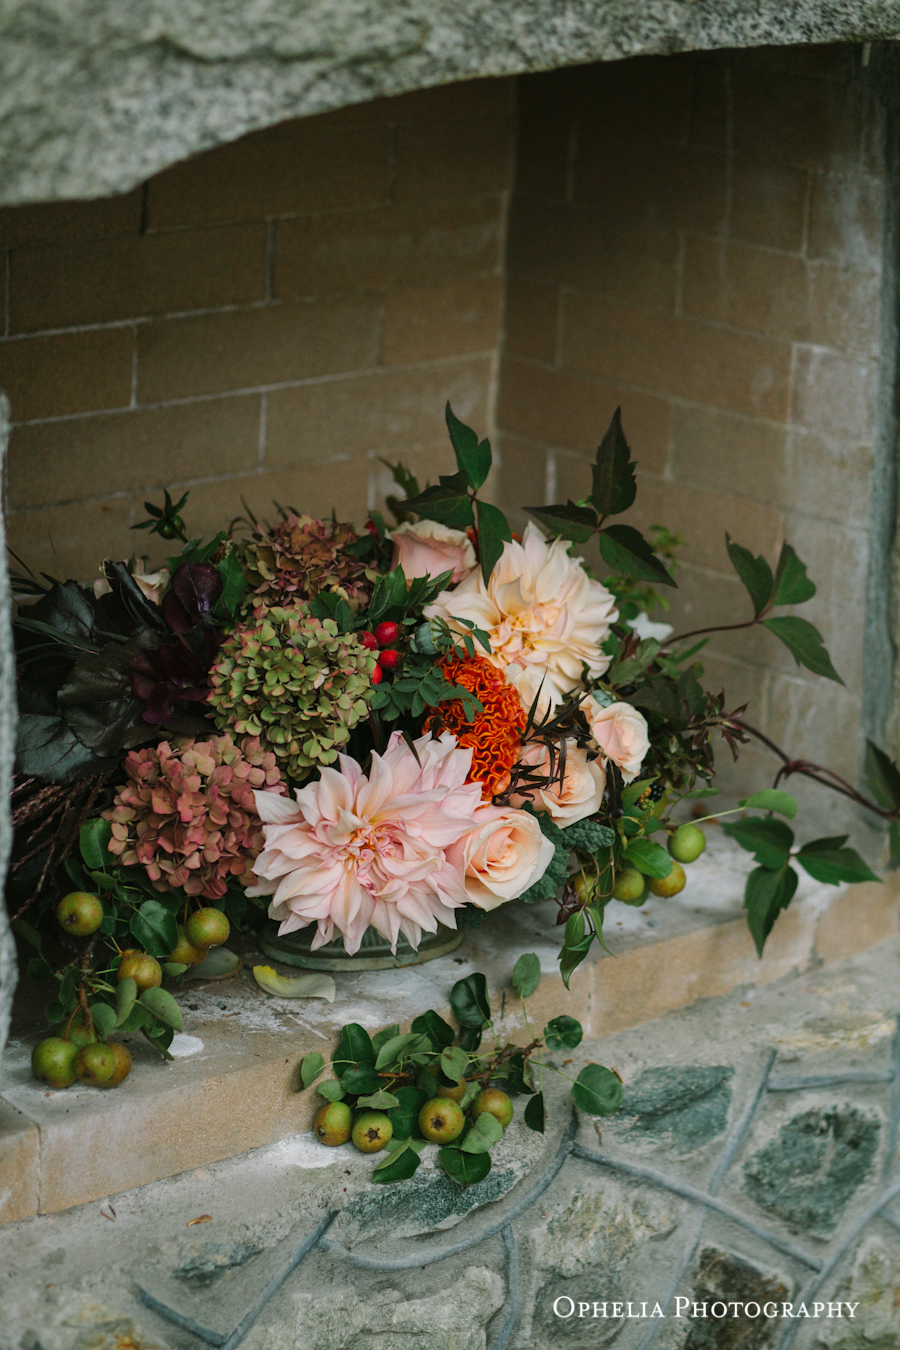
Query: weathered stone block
{"points": [[809, 1174]]}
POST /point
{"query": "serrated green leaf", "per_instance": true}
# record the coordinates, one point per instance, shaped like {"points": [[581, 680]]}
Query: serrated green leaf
{"points": [[648, 857], [493, 534], [448, 503], [563, 1033], [163, 1007], [826, 860], [465, 1168], [614, 487], [469, 1001], [804, 642], [882, 777], [311, 1066], [766, 894], [154, 928], [535, 1113], [772, 799], [526, 975], [174, 968], [626, 551], [331, 1090], [770, 841], [755, 573], [576, 523], [472, 456], [894, 845], [597, 1091], [483, 1135], [791, 586]]}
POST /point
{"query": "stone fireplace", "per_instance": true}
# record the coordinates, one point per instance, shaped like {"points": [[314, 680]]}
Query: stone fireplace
{"points": [[251, 265]]}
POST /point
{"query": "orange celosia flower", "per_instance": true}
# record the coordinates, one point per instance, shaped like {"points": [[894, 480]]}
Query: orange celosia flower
{"points": [[494, 737]]}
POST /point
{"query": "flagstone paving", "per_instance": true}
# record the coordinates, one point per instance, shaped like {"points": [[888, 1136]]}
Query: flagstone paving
{"points": [[753, 1166]]}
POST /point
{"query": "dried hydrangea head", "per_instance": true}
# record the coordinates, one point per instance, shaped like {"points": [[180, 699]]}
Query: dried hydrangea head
{"points": [[187, 813], [294, 681], [301, 556]]}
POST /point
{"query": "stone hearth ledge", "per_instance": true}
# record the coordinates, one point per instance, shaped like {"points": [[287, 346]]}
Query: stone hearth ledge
{"points": [[97, 96], [234, 1084]]}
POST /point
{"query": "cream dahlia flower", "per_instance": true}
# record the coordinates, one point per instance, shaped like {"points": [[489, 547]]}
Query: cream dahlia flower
{"points": [[541, 611], [356, 850]]}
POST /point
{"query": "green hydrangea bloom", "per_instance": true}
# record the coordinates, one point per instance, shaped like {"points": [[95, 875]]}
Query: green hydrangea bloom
{"points": [[294, 681]]}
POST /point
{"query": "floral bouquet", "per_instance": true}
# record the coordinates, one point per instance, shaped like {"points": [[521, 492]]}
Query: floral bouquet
{"points": [[395, 728]]}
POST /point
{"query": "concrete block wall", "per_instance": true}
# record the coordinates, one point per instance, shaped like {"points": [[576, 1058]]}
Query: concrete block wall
{"points": [[263, 321], [697, 238]]}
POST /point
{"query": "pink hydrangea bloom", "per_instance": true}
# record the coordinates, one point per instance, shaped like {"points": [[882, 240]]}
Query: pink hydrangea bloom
{"points": [[187, 813], [357, 850]]}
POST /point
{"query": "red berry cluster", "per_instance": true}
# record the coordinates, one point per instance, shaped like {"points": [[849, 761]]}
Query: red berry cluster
{"points": [[388, 658]]}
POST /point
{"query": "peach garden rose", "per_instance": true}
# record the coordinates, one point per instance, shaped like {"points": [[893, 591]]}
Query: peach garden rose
{"points": [[579, 794], [427, 547], [502, 856], [620, 731]]}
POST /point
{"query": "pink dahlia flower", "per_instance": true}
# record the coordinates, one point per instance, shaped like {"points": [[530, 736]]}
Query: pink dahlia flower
{"points": [[187, 813], [356, 851]]}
